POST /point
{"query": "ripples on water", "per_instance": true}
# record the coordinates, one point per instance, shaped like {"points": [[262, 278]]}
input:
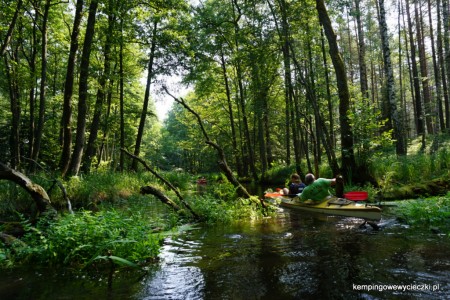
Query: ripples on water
{"points": [[299, 256]]}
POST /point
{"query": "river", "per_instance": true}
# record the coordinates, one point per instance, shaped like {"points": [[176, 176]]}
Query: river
{"points": [[296, 255]]}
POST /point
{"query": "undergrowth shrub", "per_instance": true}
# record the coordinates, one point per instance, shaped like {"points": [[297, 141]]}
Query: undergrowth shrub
{"points": [[76, 240], [433, 211]]}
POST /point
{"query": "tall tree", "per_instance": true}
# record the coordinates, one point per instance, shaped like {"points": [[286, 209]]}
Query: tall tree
{"points": [[103, 89], [390, 84], [14, 97], [446, 38], [66, 120], [441, 60], [43, 83], [423, 68], [150, 75], [75, 162], [419, 115], [347, 151], [437, 74], [361, 52]]}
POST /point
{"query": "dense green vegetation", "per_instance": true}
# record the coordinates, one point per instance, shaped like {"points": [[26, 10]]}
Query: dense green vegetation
{"points": [[430, 213], [273, 87], [111, 219]]}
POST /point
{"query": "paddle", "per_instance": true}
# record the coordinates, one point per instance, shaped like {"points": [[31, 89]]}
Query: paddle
{"points": [[356, 195]]}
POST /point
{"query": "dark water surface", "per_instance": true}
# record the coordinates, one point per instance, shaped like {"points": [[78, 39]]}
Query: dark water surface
{"points": [[297, 255]]}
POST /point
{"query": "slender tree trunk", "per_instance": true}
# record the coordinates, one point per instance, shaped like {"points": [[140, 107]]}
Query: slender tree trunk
{"points": [[101, 93], [347, 152], [327, 83], [441, 62], [390, 85], [32, 94], [437, 75], [248, 141], [322, 132], [288, 90], [446, 22], [418, 102], [121, 100], [83, 90], [11, 75], [231, 115], [66, 120], [106, 126], [140, 133], [361, 53], [43, 85], [423, 70], [221, 154]]}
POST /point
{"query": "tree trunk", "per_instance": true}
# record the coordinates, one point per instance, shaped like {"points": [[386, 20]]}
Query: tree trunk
{"points": [[437, 74], [38, 194], [446, 22], [327, 83], [248, 144], [32, 94], [83, 90], [419, 117], [222, 160], [121, 99], [441, 63], [43, 85], [173, 188], [234, 144], [101, 92], [11, 75], [66, 120], [347, 152], [106, 126], [361, 53], [140, 133], [423, 70], [158, 194], [390, 85]]}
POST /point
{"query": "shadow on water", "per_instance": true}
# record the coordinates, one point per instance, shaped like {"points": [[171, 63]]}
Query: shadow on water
{"points": [[301, 256], [297, 255]]}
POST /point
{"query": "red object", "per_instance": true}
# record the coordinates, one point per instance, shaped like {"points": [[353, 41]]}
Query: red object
{"points": [[357, 196]]}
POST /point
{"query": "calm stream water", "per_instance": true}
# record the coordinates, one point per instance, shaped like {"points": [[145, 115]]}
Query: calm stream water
{"points": [[297, 255]]}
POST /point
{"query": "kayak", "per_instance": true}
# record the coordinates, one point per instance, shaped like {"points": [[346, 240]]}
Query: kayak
{"points": [[330, 205]]}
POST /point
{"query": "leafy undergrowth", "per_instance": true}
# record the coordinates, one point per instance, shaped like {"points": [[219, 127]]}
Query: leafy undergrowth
{"points": [[82, 239], [431, 212]]}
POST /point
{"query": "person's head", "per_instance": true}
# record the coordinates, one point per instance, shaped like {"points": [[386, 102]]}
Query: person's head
{"points": [[309, 178], [295, 178]]}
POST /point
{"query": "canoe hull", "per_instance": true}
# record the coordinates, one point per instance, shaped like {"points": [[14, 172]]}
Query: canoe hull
{"points": [[354, 209]]}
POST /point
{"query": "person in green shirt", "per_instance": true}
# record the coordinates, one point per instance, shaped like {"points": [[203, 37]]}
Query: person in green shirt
{"points": [[316, 189]]}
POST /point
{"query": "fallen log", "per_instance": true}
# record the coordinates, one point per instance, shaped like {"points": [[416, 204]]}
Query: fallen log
{"points": [[158, 194], [221, 154], [36, 192], [170, 185]]}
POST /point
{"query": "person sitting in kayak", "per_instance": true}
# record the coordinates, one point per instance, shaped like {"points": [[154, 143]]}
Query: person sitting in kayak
{"points": [[295, 187], [316, 190]]}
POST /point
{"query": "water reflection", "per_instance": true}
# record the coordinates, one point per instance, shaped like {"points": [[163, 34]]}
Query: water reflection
{"points": [[299, 256]]}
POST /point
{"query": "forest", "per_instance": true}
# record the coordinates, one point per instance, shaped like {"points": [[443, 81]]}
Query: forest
{"points": [[260, 89], [275, 83]]}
